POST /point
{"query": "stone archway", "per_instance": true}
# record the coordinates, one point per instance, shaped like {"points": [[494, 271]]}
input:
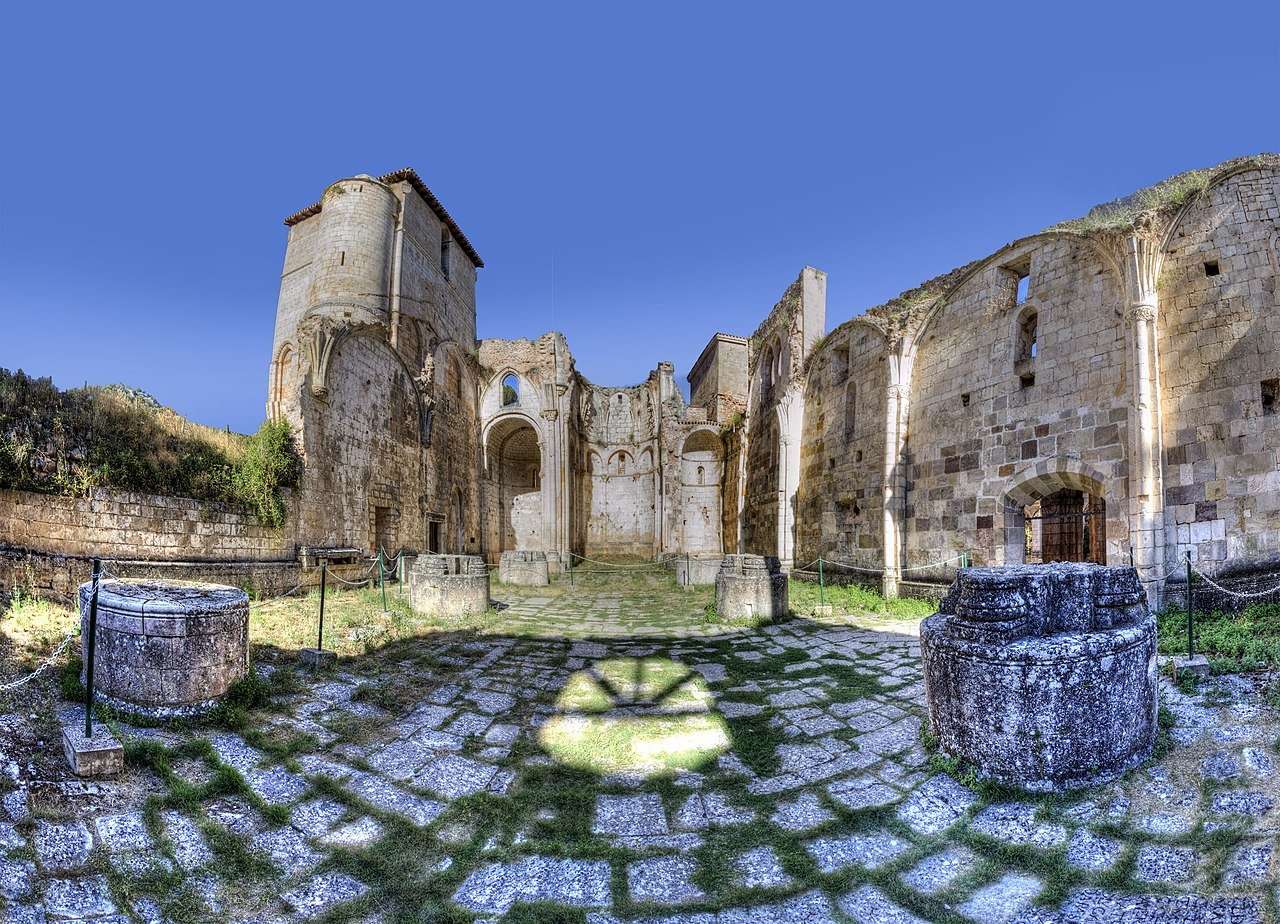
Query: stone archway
{"points": [[1056, 512], [513, 476], [701, 471]]}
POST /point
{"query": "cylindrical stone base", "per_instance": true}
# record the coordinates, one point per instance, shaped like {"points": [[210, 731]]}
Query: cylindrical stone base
{"points": [[1044, 714], [166, 650]]}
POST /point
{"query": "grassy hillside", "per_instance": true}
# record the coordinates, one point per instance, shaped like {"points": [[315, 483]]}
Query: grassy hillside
{"points": [[69, 442]]}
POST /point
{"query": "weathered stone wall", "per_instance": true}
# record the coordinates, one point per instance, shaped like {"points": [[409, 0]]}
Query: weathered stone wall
{"points": [[113, 524], [841, 500], [1220, 314], [978, 428]]}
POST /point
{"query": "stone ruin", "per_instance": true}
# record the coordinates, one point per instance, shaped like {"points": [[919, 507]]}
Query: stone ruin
{"points": [[696, 569], [751, 587], [529, 569], [1043, 676], [166, 650], [449, 585]]}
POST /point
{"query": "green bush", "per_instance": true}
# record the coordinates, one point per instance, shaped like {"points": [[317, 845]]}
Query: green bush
{"points": [[70, 442]]}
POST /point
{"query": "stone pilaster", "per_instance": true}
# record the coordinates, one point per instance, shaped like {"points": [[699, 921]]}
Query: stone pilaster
{"points": [[1146, 472], [897, 405], [790, 411]]}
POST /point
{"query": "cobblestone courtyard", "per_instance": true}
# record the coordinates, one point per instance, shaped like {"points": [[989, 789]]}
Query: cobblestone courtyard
{"points": [[606, 754]]}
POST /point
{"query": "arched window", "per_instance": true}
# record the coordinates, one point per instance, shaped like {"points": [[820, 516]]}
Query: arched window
{"points": [[1027, 336], [702, 475], [510, 389]]}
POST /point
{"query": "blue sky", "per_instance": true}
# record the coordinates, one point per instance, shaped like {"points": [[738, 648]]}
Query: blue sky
{"points": [[637, 176]]}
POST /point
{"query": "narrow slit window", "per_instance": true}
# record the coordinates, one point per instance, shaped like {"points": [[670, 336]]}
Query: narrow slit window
{"points": [[445, 255], [1028, 336], [1211, 268]]}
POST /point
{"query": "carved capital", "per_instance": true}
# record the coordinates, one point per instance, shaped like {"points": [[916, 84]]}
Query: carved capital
{"points": [[549, 414], [898, 392], [1141, 311], [1142, 261], [319, 336]]}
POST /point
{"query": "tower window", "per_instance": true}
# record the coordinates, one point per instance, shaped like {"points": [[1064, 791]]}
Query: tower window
{"points": [[964, 399], [1211, 268], [445, 242]]}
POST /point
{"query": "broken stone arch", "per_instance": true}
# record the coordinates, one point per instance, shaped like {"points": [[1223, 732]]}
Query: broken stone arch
{"points": [[1043, 480]]}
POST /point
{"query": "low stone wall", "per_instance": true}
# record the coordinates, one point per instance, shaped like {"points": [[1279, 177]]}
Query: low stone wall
{"points": [[529, 569], [698, 569], [47, 541], [125, 525]]}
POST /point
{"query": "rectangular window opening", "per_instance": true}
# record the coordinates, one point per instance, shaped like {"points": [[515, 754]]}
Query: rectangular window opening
{"points": [[964, 399], [1027, 379], [1024, 283], [1270, 397], [1211, 268]]}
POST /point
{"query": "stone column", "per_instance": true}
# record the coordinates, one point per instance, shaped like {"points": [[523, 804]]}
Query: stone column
{"points": [[897, 404], [552, 489], [790, 411], [1146, 448]]}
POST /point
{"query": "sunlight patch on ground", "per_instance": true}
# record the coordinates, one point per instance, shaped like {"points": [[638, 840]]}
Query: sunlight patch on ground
{"points": [[644, 715]]}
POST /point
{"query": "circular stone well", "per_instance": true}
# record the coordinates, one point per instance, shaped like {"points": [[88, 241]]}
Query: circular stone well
{"points": [[166, 649], [1043, 677]]}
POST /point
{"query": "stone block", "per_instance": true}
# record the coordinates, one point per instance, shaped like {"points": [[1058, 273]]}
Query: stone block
{"points": [[1196, 666], [449, 585], [528, 569], [100, 755], [317, 658], [751, 587]]}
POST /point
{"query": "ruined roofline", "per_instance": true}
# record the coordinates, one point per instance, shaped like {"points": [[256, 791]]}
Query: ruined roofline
{"points": [[410, 176], [1168, 196]]}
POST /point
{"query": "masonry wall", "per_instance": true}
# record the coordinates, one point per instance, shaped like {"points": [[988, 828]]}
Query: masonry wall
{"points": [[965, 458], [841, 498], [1218, 343]]}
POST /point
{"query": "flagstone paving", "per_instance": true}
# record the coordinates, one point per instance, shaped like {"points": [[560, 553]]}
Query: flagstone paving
{"points": [[607, 754]]}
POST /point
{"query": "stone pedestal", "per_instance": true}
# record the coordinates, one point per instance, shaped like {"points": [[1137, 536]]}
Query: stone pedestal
{"points": [[526, 568], [1043, 677], [697, 570], [166, 649], [101, 755], [1197, 667], [449, 585], [751, 587], [317, 658]]}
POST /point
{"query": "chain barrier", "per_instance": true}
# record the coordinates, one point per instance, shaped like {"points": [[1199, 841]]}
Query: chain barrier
{"points": [[1241, 594], [44, 665], [963, 556]]}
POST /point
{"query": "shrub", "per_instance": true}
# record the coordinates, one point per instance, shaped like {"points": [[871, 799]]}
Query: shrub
{"points": [[70, 442]]}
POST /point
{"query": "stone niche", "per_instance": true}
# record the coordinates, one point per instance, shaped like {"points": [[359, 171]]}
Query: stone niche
{"points": [[1043, 676], [527, 568], [166, 649], [449, 585], [751, 587]]}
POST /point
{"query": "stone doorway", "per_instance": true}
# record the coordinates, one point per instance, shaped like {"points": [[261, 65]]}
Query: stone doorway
{"points": [[1066, 525], [514, 480]]}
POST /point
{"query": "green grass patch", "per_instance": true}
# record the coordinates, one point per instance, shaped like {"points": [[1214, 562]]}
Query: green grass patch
{"points": [[1248, 640], [856, 600]]}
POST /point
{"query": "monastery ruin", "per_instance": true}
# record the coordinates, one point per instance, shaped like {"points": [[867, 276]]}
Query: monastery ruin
{"points": [[1104, 390]]}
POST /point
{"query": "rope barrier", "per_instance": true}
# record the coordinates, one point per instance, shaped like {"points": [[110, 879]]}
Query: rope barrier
{"points": [[852, 567], [1242, 594]]}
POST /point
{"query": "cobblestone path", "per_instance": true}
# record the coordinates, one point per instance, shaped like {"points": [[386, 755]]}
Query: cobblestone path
{"points": [[604, 757]]}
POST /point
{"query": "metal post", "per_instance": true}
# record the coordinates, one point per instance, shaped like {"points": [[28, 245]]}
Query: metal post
{"points": [[382, 584], [822, 586], [324, 576], [1131, 556], [688, 576], [1191, 641], [570, 569], [92, 642]]}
